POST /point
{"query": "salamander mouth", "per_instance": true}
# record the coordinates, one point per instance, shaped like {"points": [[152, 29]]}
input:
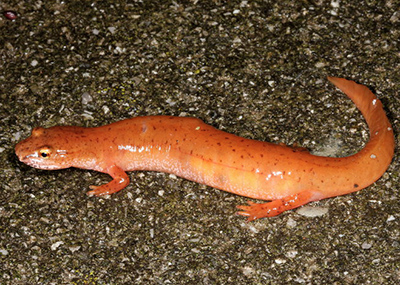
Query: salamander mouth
{"points": [[31, 163], [36, 163]]}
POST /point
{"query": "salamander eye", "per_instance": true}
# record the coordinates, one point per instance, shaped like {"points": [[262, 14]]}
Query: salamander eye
{"points": [[44, 152]]}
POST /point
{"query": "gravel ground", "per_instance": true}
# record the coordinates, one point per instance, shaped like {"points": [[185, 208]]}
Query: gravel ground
{"points": [[254, 68]]}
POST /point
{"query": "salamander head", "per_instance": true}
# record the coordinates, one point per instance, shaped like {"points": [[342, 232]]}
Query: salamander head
{"points": [[52, 148]]}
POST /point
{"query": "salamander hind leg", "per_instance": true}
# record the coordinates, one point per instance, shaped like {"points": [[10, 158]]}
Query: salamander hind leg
{"points": [[256, 211]]}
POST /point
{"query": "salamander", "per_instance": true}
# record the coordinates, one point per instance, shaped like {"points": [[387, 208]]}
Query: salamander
{"points": [[287, 177]]}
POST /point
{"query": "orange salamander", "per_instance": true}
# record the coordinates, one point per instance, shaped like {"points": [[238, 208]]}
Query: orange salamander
{"points": [[189, 148]]}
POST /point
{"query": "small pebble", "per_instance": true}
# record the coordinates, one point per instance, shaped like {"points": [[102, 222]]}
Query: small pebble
{"points": [[10, 15], [311, 212]]}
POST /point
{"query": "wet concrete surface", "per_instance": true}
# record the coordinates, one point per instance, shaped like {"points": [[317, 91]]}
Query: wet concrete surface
{"points": [[253, 68]]}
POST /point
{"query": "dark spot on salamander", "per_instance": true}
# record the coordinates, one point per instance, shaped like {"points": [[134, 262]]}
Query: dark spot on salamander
{"points": [[221, 178], [355, 185]]}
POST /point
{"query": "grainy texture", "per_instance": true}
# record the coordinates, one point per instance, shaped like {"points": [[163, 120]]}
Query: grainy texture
{"points": [[256, 69]]}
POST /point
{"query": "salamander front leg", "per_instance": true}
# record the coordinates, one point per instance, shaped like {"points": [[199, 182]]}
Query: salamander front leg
{"points": [[256, 211], [119, 182]]}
